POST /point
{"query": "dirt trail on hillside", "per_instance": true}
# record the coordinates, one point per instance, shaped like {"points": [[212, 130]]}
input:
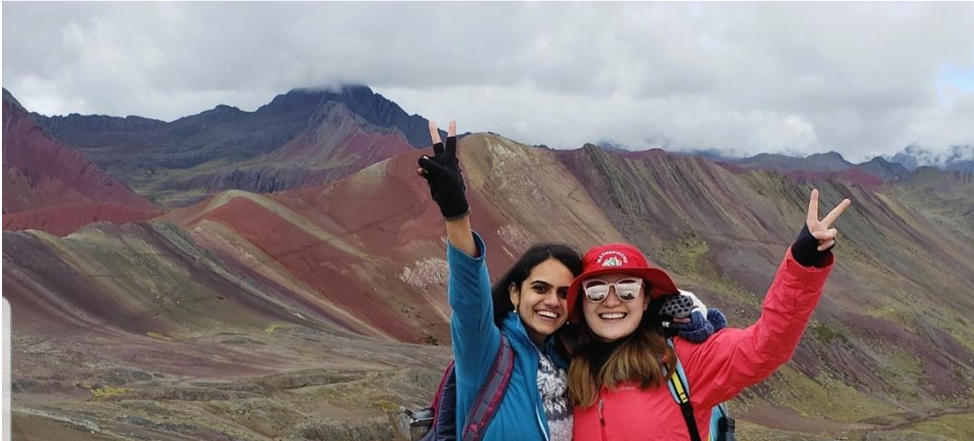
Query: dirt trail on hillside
{"points": [[890, 423]]}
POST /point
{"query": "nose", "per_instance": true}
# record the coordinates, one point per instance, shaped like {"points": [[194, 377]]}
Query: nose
{"points": [[612, 299], [552, 301]]}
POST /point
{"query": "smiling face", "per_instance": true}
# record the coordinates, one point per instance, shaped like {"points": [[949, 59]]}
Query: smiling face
{"points": [[541, 298], [614, 318]]}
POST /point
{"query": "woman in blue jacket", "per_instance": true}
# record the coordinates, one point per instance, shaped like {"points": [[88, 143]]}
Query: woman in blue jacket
{"points": [[528, 305]]}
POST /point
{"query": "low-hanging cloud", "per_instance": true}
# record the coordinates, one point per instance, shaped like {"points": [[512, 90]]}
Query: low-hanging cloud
{"points": [[859, 78]]}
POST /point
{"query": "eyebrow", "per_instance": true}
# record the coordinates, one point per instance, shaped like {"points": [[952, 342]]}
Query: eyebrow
{"points": [[546, 284]]}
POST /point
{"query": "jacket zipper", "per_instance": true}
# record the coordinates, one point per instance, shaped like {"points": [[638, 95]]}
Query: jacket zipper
{"points": [[605, 437], [541, 424]]}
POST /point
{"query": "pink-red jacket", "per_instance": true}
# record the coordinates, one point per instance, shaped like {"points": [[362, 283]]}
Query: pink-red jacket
{"points": [[717, 369]]}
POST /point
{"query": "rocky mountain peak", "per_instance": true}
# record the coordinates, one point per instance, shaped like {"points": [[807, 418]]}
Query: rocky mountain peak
{"points": [[8, 97]]}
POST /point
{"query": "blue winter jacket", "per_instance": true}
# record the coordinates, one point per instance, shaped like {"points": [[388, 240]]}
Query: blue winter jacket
{"points": [[476, 340]]}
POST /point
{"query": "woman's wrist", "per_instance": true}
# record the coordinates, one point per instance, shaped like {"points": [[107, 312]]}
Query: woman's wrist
{"points": [[457, 217], [805, 249], [460, 235]]}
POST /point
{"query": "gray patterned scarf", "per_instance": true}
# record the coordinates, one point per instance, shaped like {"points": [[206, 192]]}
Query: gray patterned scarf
{"points": [[553, 387]]}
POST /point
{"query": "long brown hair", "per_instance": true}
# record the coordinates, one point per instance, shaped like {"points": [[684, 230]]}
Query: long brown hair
{"points": [[642, 358]]}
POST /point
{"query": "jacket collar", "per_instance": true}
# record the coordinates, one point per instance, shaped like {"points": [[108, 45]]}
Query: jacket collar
{"points": [[514, 327]]}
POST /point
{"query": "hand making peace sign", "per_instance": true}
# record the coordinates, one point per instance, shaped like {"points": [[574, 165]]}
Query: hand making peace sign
{"points": [[820, 229], [442, 173]]}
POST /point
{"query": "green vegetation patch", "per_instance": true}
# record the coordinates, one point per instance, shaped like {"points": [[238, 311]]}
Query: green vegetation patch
{"points": [[827, 335], [823, 397], [949, 426], [109, 392], [688, 257]]}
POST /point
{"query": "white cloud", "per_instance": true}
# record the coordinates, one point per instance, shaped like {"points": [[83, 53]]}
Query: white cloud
{"points": [[859, 78]]}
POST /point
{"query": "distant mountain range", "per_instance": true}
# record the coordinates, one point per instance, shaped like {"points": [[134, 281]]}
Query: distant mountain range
{"points": [[959, 158], [178, 163], [288, 279], [225, 148]]}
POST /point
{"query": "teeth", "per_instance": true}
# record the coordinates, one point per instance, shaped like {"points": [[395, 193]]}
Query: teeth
{"points": [[548, 314], [612, 315]]}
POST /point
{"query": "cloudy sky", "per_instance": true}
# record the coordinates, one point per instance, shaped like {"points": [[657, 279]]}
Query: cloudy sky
{"points": [[862, 79]]}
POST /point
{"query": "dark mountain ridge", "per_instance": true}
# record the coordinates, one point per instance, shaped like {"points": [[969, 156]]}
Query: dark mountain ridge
{"points": [[182, 161]]}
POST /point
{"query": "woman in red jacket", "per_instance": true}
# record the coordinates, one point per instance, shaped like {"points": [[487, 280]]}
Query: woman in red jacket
{"points": [[622, 360]]}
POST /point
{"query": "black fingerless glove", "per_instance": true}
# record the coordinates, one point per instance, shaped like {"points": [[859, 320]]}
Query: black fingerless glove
{"points": [[442, 173], [805, 249]]}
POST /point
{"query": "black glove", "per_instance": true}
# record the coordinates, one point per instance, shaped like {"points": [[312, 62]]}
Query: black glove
{"points": [[442, 173], [805, 249]]}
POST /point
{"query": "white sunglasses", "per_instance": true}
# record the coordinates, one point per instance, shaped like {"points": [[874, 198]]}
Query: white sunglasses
{"points": [[596, 290]]}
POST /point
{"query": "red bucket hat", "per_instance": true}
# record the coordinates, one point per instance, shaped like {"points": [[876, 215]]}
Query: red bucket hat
{"points": [[617, 258]]}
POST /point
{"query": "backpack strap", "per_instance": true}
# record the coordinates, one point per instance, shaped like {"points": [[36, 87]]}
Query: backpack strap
{"points": [[680, 390], [491, 393], [443, 406]]}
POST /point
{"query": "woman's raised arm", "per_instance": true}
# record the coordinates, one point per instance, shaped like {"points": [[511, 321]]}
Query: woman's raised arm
{"points": [[734, 359]]}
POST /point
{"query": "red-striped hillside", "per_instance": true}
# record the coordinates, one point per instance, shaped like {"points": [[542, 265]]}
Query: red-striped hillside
{"points": [[371, 245], [52, 187]]}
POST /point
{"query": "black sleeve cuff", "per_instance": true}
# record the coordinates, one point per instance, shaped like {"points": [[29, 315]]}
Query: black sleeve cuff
{"points": [[805, 249]]}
